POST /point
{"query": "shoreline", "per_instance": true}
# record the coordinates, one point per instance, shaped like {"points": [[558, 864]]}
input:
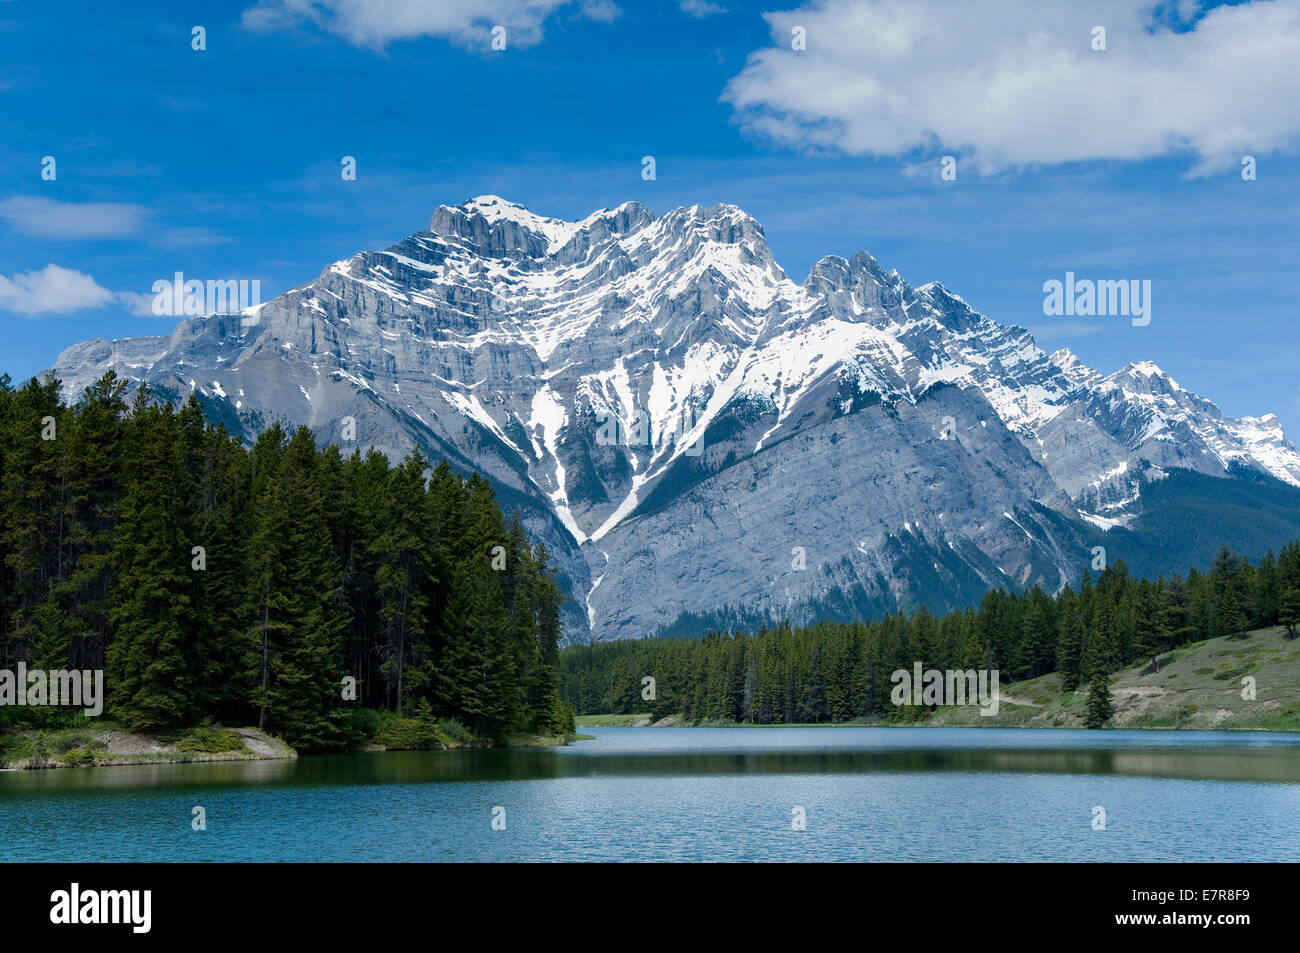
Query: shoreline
{"points": [[674, 722], [108, 747], [115, 747], [665, 723]]}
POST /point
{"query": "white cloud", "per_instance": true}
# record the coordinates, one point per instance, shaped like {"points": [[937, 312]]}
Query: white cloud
{"points": [[603, 10], [141, 305], [48, 218], [375, 23], [52, 290], [701, 8], [1017, 82]]}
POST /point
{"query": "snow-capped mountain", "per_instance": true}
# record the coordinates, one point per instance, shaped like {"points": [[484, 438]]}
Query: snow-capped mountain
{"points": [[693, 433]]}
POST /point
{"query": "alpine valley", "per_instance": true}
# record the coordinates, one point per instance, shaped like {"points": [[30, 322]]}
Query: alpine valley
{"points": [[702, 442]]}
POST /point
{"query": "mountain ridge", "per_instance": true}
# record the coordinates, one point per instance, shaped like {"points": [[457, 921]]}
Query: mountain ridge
{"points": [[676, 417]]}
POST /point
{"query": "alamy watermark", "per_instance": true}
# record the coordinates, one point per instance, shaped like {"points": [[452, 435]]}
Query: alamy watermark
{"points": [[178, 297], [933, 687], [57, 687], [127, 907], [612, 431], [1087, 298]]}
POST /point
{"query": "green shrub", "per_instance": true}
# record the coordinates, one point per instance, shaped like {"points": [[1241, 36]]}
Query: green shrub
{"points": [[80, 756], [412, 734], [212, 741], [61, 742], [367, 723], [1232, 672], [454, 730], [15, 748]]}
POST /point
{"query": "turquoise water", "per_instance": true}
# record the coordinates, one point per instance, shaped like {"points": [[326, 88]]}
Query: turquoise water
{"points": [[693, 794]]}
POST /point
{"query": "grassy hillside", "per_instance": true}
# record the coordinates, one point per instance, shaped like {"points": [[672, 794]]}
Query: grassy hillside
{"points": [[1197, 686]]}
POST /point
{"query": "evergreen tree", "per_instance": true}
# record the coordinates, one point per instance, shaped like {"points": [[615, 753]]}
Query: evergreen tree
{"points": [[302, 693], [403, 565], [149, 683], [1069, 651], [1038, 648], [1175, 614], [1289, 610], [1100, 706], [1099, 653]]}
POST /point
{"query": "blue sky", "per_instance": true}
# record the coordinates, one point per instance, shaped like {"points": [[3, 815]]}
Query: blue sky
{"points": [[225, 162]]}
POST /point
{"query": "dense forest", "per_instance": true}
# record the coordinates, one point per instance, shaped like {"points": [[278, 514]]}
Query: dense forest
{"points": [[837, 672], [213, 582]]}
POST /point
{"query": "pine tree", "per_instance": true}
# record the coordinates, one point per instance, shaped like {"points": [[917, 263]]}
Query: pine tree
{"points": [[149, 683], [1069, 651], [1099, 653], [302, 694], [1037, 652], [219, 655], [1232, 620], [268, 615], [1150, 636], [1228, 616], [1268, 591], [477, 673], [403, 564], [1100, 705], [1175, 614], [32, 501], [1289, 610], [94, 481]]}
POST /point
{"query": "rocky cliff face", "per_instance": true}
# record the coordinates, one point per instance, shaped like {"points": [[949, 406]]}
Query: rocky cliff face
{"points": [[697, 437]]}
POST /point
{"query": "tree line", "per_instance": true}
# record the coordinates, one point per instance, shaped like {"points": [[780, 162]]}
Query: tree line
{"points": [[837, 672], [251, 585]]}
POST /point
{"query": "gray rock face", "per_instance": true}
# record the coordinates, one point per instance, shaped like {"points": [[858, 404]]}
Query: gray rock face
{"points": [[693, 434]]}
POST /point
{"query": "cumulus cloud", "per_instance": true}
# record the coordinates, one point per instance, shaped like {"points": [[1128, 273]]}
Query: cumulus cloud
{"points": [[1017, 82], [606, 11], [141, 305], [375, 23], [52, 290], [48, 218]]}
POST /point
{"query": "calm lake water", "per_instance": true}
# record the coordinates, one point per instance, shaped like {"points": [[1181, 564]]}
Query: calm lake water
{"points": [[694, 794]]}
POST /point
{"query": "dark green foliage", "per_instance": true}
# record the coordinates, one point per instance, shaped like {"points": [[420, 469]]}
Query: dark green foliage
{"points": [[152, 612], [1100, 707], [313, 567], [1069, 649], [1289, 613], [839, 671]]}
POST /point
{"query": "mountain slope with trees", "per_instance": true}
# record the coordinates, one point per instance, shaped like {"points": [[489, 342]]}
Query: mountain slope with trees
{"points": [[835, 672]]}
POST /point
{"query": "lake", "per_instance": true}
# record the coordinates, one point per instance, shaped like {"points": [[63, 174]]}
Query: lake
{"points": [[694, 794]]}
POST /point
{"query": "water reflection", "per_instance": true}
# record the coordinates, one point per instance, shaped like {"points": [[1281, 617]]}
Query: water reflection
{"points": [[669, 752]]}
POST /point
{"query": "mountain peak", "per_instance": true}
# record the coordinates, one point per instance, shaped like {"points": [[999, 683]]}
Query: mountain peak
{"points": [[1148, 375], [494, 209], [1145, 368], [507, 342], [499, 213]]}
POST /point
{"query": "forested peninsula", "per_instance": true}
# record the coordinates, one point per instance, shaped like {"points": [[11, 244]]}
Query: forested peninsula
{"points": [[335, 601]]}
